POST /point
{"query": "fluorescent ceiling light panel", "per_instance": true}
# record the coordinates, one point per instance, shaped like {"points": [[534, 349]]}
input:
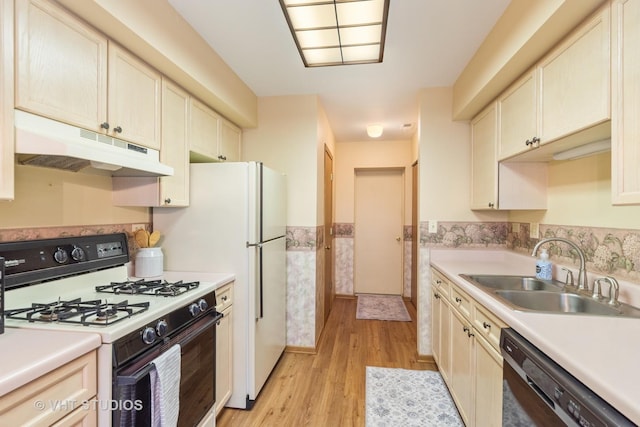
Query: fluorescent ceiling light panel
{"points": [[337, 32]]}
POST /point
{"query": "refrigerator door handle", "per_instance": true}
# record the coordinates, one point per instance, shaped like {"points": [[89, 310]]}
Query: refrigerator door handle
{"points": [[260, 302]]}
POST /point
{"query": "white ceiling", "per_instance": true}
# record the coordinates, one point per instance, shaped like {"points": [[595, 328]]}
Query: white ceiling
{"points": [[428, 44]]}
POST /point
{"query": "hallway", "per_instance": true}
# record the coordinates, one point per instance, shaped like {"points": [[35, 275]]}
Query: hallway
{"points": [[328, 389]]}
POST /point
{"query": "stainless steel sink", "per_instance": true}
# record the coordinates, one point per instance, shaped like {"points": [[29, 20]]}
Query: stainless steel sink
{"points": [[515, 283], [557, 302], [527, 293]]}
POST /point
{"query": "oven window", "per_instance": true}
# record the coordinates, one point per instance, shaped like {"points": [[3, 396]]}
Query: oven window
{"points": [[521, 406], [197, 378]]}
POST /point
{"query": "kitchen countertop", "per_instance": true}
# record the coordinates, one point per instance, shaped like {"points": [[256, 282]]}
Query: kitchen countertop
{"points": [[602, 352], [29, 354]]}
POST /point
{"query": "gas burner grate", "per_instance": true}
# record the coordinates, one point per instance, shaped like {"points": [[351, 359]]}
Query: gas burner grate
{"points": [[93, 312], [148, 287]]}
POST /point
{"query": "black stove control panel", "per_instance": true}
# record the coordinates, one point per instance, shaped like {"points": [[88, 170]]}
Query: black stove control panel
{"points": [[34, 261]]}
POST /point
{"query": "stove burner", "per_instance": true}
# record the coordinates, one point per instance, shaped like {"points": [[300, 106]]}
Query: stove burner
{"points": [[94, 312], [148, 287]]}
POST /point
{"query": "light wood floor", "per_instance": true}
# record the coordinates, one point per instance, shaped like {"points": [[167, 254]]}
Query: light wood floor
{"points": [[328, 388]]}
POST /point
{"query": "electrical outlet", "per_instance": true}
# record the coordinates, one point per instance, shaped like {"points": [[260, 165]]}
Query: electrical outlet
{"points": [[534, 230], [433, 226], [136, 227]]}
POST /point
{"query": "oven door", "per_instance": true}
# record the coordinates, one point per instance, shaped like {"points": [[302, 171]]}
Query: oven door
{"points": [[132, 385]]}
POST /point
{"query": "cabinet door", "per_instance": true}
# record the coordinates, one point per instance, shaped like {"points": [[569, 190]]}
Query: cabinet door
{"points": [[517, 111], [625, 126], [462, 344], [204, 125], [484, 165], [436, 324], [174, 190], [6, 101], [488, 385], [134, 99], [224, 359], [61, 65], [575, 81], [444, 364], [229, 143]]}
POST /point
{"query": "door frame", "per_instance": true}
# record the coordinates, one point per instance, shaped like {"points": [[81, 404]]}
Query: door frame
{"points": [[329, 288]]}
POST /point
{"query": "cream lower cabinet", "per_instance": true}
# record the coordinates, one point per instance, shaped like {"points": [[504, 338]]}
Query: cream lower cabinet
{"points": [[625, 126], [61, 393], [224, 346], [467, 352]]}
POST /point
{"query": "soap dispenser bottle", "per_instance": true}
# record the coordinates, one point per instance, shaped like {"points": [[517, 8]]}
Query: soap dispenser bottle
{"points": [[543, 266]]}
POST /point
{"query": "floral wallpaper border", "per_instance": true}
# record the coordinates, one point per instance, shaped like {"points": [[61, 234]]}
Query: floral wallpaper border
{"points": [[465, 234], [305, 238]]}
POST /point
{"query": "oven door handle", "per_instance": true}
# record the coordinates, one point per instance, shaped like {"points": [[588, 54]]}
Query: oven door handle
{"points": [[182, 338]]}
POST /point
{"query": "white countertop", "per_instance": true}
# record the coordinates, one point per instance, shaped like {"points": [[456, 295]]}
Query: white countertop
{"points": [[602, 352], [28, 354]]}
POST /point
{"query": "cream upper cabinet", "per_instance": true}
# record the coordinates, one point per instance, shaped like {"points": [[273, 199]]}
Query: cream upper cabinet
{"points": [[134, 98], [174, 190], [575, 80], [229, 142], [625, 126], [68, 71], [484, 166], [6, 102], [61, 65], [518, 117], [204, 125], [499, 185]]}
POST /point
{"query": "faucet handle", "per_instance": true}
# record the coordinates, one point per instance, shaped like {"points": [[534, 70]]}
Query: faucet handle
{"points": [[614, 290], [596, 288], [568, 281]]}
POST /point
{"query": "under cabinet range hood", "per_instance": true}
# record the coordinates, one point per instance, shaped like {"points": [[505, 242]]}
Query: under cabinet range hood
{"points": [[49, 143]]}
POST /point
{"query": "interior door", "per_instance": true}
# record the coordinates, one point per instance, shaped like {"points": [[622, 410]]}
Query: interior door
{"points": [[378, 245], [329, 290]]}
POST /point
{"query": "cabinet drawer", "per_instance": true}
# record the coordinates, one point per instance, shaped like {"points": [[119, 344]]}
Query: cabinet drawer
{"points": [[461, 301], [224, 298], [72, 384], [439, 283], [488, 326]]}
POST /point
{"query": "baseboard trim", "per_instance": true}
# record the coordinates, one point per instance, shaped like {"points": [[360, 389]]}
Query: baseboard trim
{"points": [[300, 350], [426, 358], [345, 296]]}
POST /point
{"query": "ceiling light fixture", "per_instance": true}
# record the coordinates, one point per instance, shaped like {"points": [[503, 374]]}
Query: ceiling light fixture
{"points": [[337, 32], [584, 150], [374, 131]]}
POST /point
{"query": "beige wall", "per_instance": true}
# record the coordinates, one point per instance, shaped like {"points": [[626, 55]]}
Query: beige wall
{"points": [[325, 137], [368, 154], [53, 198], [579, 193], [286, 140], [444, 161]]}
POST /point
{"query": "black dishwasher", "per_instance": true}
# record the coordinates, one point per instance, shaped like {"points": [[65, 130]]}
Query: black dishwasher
{"points": [[539, 392]]}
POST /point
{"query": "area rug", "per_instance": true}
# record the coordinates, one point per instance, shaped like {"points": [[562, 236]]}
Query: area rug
{"points": [[382, 307], [408, 398]]}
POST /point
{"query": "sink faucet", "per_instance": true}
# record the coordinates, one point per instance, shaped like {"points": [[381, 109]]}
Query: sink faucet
{"points": [[583, 284]]}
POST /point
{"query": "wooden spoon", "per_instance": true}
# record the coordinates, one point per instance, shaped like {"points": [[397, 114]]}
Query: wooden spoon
{"points": [[153, 238], [142, 238]]}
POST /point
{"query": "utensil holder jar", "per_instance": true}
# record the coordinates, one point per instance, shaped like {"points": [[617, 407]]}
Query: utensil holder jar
{"points": [[149, 262]]}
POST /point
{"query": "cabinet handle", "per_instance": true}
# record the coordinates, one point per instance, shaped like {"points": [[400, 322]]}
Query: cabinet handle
{"points": [[458, 300], [528, 142], [224, 298], [104, 125], [491, 204], [436, 295], [439, 282], [465, 329], [117, 129], [486, 325], [167, 200], [221, 157], [470, 334]]}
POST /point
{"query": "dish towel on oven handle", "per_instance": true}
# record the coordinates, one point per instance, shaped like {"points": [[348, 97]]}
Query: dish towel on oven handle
{"points": [[165, 388]]}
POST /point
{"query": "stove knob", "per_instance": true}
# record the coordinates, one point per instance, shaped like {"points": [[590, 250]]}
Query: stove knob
{"points": [[194, 309], [78, 253], [203, 304], [61, 256], [148, 335], [161, 327]]}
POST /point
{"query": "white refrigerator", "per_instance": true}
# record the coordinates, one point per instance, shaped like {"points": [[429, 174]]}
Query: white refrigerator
{"points": [[236, 223]]}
